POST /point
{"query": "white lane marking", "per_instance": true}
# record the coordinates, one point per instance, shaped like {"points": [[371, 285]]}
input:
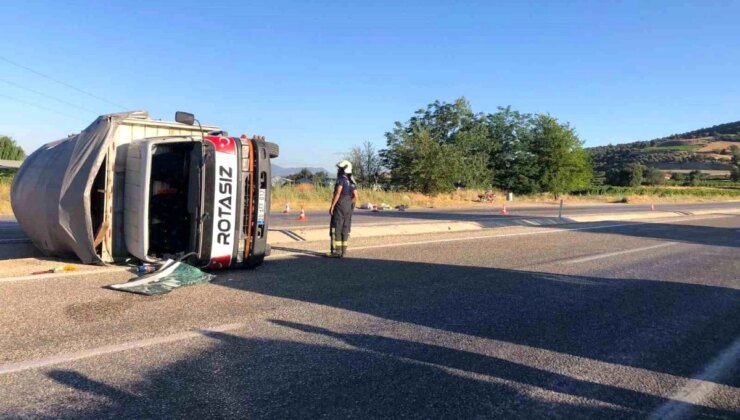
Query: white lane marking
{"points": [[615, 253], [636, 378], [504, 235], [115, 348], [697, 390], [64, 274], [567, 279], [14, 241]]}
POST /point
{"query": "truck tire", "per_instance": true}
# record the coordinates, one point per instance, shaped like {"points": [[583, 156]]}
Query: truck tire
{"points": [[273, 149]]}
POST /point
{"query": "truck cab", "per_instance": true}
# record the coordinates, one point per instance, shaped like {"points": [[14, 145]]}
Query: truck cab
{"points": [[206, 197], [131, 186]]}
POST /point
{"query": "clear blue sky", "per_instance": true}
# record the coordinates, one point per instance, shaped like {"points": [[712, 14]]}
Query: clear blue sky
{"points": [[319, 77]]}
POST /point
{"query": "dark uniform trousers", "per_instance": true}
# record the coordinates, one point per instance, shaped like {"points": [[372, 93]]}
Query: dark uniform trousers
{"points": [[341, 222]]}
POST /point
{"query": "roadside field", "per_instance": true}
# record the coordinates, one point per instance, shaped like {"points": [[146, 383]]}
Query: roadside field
{"points": [[717, 146], [317, 198], [5, 198]]}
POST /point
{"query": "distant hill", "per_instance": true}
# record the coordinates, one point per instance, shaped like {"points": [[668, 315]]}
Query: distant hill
{"points": [[278, 170], [703, 149]]}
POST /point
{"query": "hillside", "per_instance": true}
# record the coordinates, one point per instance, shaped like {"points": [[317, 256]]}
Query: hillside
{"points": [[706, 149]]}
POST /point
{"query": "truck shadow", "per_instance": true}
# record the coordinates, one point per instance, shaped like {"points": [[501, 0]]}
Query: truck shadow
{"points": [[659, 326], [610, 320], [379, 378], [251, 378]]}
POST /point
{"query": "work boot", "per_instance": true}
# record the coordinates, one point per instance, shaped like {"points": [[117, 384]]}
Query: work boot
{"points": [[342, 250]]}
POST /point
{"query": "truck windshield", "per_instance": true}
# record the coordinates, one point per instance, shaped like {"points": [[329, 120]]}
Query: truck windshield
{"points": [[175, 198]]}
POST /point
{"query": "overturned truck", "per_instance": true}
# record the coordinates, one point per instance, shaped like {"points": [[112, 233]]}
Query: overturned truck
{"points": [[130, 186]]}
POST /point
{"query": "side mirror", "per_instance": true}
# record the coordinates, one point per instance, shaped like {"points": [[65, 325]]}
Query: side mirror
{"points": [[184, 118]]}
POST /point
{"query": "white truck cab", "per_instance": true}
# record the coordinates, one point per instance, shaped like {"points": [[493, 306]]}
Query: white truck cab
{"points": [[133, 186]]}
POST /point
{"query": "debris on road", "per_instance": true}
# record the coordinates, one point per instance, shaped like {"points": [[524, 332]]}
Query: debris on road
{"points": [[61, 268], [146, 268], [170, 275]]}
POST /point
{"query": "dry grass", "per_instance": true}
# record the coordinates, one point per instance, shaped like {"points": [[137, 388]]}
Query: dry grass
{"points": [[318, 198], [5, 199], [313, 198], [717, 146]]}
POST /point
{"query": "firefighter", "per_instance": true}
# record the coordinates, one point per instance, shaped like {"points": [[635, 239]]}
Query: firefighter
{"points": [[342, 205]]}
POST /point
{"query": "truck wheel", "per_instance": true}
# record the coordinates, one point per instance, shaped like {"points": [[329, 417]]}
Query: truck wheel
{"points": [[274, 150]]}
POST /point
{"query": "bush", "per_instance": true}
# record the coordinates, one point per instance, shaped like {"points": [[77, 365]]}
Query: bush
{"points": [[735, 173], [653, 177]]}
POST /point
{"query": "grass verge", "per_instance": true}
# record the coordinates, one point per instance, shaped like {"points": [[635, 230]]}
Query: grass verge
{"points": [[5, 208], [317, 198]]}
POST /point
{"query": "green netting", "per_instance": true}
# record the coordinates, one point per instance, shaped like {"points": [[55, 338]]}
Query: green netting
{"points": [[170, 276]]}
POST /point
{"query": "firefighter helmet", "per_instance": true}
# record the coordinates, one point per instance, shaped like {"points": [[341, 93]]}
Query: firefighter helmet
{"points": [[346, 166]]}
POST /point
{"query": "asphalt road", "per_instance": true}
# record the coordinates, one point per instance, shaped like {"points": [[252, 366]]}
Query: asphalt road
{"points": [[321, 218], [600, 320]]}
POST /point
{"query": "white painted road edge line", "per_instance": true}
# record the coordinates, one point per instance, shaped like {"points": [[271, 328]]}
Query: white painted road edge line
{"points": [[115, 348], [696, 391], [615, 253], [64, 274]]}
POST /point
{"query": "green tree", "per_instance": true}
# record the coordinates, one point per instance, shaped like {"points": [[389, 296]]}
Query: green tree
{"points": [[9, 150], [634, 174], [366, 163], [562, 163], [434, 166], [514, 165], [630, 175], [735, 173], [304, 173], [320, 177], [517, 152], [653, 176], [437, 149], [735, 149], [678, 177], [694, 178]]}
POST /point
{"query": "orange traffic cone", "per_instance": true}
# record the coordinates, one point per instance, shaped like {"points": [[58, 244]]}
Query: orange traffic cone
{"points": [[652, 207], [504, 212], [287, 208], [302, 217]]}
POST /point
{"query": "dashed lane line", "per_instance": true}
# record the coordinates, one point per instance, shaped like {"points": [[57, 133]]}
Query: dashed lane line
{"points": [[616, 253]]}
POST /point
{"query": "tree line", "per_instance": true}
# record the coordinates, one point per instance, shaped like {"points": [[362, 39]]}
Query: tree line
{"points": [[447, 145], [9, 150]]}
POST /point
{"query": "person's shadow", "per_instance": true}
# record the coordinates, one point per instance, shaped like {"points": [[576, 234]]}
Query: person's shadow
{"points": [[82, 383]]}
